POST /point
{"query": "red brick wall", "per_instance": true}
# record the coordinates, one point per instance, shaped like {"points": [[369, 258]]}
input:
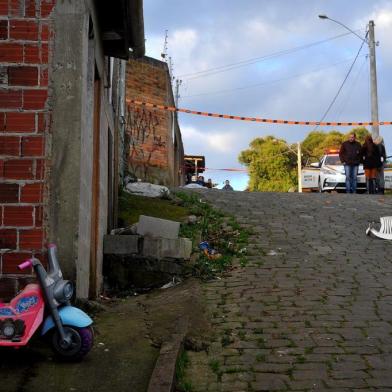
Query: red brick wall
{"points": [[149, 131], [25, 34]]}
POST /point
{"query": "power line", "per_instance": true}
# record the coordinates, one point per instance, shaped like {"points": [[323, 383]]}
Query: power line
{"points": [[243, 63], [341, 86], [353, 85], [266, 83]]}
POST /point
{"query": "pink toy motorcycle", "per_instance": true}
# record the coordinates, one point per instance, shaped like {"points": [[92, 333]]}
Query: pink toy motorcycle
{"points": [[46, 306]]}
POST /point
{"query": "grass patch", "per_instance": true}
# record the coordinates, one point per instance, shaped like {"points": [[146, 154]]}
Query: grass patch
{"points": [[214, 366], [181, 366], [234, 370], [132, 206], [261, 343], [222, 233], [226, 340]]}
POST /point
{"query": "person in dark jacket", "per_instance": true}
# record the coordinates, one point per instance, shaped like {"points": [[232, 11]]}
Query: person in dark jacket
{"points": [[200, 181], [350, 156], [379, 142], [371, 163], [227, 186]]}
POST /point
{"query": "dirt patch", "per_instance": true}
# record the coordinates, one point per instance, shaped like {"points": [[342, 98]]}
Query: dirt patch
{"points": [[127, 341]]}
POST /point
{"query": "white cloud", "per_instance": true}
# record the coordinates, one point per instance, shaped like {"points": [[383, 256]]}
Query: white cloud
{"points": [[221, 142], [216, 33], [181, 44]]}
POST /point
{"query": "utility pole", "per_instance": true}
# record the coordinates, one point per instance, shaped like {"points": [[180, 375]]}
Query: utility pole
{"points": [[177, 93], [373, 79], [299, 164], [373, 75]]}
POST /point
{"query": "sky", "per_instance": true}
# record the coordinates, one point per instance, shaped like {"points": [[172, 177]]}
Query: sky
{"points": [[268, 58]]}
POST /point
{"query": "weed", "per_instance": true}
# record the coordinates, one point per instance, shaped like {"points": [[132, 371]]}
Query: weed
{"points": [[132, 206], [260, 358], [308, 324], [214, 366], [309, 350], [261, 343], [243, 261], [291, 344], [225, 340], [210, 227], [181, 366], [233, 370], [241, 335]]}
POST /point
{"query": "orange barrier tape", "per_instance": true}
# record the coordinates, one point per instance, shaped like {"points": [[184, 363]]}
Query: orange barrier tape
{"points": [[254, 119], [212, 169]]}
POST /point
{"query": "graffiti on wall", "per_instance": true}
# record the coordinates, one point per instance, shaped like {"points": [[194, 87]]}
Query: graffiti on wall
{"points": [[143, 141]]}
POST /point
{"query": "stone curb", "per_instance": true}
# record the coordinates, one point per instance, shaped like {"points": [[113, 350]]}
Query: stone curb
{"points": [[163, 375]]}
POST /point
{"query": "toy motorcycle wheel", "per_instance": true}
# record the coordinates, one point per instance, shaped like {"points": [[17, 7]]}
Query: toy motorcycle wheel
{"points": [[81, 343]]}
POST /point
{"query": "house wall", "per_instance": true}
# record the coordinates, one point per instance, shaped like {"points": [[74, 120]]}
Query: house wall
{"points": [[52, 67], [154, 136], [26, 101], [78, 220]]}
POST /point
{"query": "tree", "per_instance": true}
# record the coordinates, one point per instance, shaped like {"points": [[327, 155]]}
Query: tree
{"points": [[271, 163], [317, 142]]}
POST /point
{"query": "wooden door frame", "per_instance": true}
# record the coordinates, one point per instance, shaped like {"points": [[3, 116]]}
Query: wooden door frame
{"points": [[95, 188]]}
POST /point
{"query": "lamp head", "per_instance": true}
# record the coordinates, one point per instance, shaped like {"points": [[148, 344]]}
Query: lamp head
{"points": [[323, 17]]}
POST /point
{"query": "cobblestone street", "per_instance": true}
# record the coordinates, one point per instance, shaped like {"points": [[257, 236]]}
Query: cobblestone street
{"points": [[312, 309]]}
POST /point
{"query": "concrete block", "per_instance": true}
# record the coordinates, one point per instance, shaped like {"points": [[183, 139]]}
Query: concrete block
{"points": [[159, 248], [121, 244], [156, 227]]}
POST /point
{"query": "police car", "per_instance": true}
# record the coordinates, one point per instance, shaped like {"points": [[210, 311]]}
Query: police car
{"points": [[328, 175]]}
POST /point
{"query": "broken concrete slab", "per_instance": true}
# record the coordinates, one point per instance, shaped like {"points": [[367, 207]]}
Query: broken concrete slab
{"points": [[156, 227], [121, 244], [160, 248], [123, 272]]}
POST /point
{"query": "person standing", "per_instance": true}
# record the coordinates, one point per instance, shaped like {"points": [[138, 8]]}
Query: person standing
{"points": [[371, 163], [350, 156], [200, 181], [227, 186], [379, 142]]}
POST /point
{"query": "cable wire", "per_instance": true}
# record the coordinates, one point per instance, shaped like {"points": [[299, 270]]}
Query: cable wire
{"points": [[353, 85], [266, 83], [243, 63], [341, 86]]}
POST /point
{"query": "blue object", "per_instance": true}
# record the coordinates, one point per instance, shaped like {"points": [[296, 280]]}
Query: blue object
{"points": [[69, 315], [6, 312], [25, 303], [204, 245]]}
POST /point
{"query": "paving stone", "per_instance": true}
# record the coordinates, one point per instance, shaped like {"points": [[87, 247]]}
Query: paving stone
{"points": [[269, 382], [314, 384], [316, 314]]}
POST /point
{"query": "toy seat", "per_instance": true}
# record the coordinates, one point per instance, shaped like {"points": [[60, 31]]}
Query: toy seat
{"points": [[385, 231]]}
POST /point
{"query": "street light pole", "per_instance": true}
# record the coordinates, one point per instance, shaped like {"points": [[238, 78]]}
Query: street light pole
{"points": [[373, 80], [373, 73], [299, 167]]}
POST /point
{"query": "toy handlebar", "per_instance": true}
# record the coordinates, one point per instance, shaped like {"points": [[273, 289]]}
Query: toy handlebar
{"points": [[26, 264]]}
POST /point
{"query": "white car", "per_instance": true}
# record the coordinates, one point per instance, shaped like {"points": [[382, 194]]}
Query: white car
{"points": [[328, 175]]}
